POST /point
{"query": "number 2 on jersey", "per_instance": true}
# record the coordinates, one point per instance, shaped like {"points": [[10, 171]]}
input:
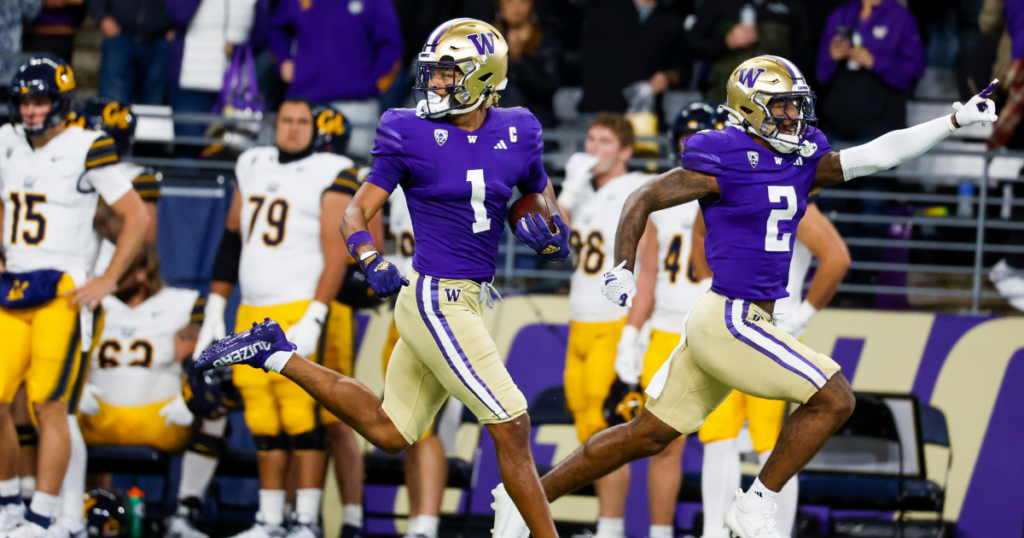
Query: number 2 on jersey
{"points": [[772, 241]]}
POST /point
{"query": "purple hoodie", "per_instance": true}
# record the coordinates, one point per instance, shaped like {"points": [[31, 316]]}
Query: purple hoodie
{"points": [[1015, 26], [342, 49], [890, 34], [181, 13]]}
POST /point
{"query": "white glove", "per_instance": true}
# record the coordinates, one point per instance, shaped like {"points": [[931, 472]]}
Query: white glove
{"points": [[1009, 283], [980, 109], [577, 179], [627, 365], [176, 412], [213, 324], [305, 334], [619, 285], [794, 323], [87, 403]]}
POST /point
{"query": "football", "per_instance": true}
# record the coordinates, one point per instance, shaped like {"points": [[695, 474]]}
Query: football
{"points": [[533, 203]]}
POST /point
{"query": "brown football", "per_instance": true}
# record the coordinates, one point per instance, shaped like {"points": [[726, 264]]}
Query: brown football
{"points": [[533, 203]]}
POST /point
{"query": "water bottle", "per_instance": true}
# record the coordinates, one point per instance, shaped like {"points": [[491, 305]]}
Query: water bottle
{"points": [[965, 200], [136, 512], [857, 43], [748, 15]]}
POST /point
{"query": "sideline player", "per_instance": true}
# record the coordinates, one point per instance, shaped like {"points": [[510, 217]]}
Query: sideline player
{"points": [[815, 236], [51, 178], [752, 181], [595, 325], [281, 245], [458, 158], [667, 287]]}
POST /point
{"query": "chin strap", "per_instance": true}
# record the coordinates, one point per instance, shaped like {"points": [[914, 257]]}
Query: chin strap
{"points": [[806, 148], [423, 112]]}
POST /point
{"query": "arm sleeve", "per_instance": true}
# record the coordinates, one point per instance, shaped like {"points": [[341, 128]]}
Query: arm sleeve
{"points": [[282, 30], [893, 149], [905, 66], [826, 65], [347, 182], [229, 254], [387, 45]]}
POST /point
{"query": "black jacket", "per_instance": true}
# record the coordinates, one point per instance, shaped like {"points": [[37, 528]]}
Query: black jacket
{"points": [[142, 21], [533, 80]]}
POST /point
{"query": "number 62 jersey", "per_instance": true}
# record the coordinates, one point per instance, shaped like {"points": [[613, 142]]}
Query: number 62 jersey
{"points": [[457, 183], [752, 225]]}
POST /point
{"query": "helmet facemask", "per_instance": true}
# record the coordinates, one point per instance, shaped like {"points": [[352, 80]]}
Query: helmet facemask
{"points": [[448, 75], [777, 109]]}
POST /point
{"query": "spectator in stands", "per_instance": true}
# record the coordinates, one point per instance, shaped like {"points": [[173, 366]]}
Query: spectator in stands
{"points": [[872, 56], [12, 15], [729, 32], [53, 31], [534, 60], [205, 35], [346, 53], [626, 41], [136, 49], [1012, 75]]}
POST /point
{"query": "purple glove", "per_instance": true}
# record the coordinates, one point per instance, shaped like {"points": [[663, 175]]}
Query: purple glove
{"points": [[533, 231], [383, 277], [252, 347]]}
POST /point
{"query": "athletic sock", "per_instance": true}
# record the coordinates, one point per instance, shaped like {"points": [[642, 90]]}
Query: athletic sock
{"points": [[352, 515], [425, 525], [307, 505], [610, 527], [72, 493], [197, 471], [42, 509], [757, 497], [272, 506], [660, 531], [787, 501], [10, 491], [27, 486], [720, 479]]}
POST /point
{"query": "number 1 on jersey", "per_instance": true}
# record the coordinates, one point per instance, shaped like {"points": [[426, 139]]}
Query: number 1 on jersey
{"points": [[480, 221], [772, 241]]}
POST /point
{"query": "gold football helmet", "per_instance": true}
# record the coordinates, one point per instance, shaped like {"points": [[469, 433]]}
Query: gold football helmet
{"points": [[768, 95], [466, 58]]}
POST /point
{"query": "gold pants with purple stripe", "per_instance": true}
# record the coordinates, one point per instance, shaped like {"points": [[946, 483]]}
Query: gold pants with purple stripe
{"points": [[732, 344], [443, 349]]}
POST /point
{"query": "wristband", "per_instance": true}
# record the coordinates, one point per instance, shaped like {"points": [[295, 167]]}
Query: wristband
{"points": [[316, 310], [215, 306], [356, 239], [629, 334]]}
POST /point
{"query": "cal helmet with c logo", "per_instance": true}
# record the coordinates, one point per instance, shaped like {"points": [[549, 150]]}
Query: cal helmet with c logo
{"points": [[43, 76], [699, 116], [766, 91], [331, 130], [110, 116], [468, 59], [105, 514]]}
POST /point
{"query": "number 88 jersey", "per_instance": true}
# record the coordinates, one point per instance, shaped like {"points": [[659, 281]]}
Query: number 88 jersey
{"points": [[593, 227], [280, 222]]}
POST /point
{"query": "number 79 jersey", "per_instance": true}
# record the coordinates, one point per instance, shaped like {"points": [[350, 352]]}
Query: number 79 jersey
{"points": [[457, 183], [752, 225]]}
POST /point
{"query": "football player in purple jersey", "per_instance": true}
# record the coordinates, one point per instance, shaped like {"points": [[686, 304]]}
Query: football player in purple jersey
{"points": [[752, 181], [458, 159]]}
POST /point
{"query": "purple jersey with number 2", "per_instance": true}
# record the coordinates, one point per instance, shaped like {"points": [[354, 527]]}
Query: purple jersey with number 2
{"points": [[752, 225], [457, 183]]}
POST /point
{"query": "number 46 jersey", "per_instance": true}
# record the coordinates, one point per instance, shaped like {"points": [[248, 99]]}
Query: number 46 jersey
{"points": [[752, 225], [457, 183]]}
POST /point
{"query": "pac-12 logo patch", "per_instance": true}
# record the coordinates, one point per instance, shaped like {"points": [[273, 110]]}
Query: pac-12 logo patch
{"points": [[753, 158], [441, 136]]}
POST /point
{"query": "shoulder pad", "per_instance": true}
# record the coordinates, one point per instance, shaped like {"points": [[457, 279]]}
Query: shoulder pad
{"points": [[389, 131]]}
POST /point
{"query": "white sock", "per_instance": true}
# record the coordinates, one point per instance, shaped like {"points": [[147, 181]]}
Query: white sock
{"points": [[787, 501], [660, 531], [10, 487], [757, 497], [352, 514], [611, 527], [426, 525], [44, 504], [27, 486], [272, 506], [307, 505], [197, 470], [72, 491], [720, 478]]}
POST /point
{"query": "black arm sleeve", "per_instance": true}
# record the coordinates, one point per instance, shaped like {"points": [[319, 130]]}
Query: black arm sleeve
{"points": [[229, 254]]}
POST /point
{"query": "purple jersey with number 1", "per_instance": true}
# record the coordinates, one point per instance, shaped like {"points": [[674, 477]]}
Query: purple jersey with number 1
{"points": [[752, 225], [457, 183]]}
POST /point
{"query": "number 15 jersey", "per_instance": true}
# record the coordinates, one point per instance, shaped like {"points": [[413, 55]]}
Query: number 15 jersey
{"points": [[752, 225], [457, 183]]}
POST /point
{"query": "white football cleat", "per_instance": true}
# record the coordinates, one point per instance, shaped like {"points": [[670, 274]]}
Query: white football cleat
{"points": [[262, 530], [11, 515], [27, 529], [508, 522], [179, 526], [760, 524]]}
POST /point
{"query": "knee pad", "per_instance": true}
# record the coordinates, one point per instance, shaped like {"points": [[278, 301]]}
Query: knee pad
{"points": [[311, 440], [265, 443], [207, 445], [27, 435]]}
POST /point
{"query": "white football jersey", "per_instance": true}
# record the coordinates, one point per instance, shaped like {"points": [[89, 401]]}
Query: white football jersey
{"points": [[400, 224], [50, 198], [797, 273], [281, 255], [147, 188], [594, 223], [132, 361], [676, 289]]}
